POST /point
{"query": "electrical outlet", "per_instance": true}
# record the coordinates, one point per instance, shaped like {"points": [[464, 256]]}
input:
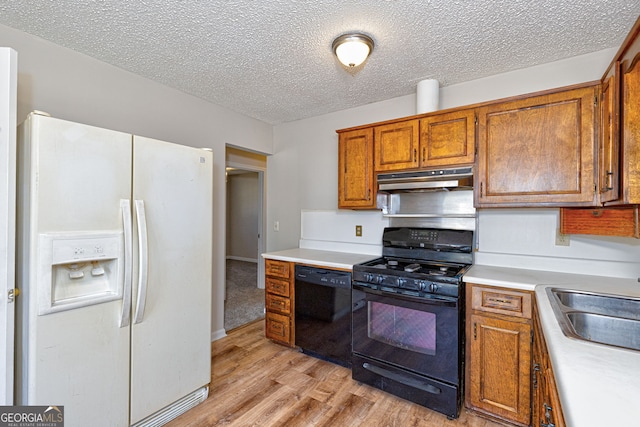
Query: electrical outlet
{"points": [[358, 231], [562, 239], [276, 226]]}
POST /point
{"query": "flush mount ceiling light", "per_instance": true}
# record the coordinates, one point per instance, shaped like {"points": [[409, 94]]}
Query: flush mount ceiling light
{"points": [[352, 49]]}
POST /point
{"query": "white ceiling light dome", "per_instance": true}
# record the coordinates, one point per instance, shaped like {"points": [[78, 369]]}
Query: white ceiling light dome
{"points": [[352, 49]]}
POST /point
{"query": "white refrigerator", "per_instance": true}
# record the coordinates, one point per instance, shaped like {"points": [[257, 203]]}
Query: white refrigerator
{"points": [[114, 272]]}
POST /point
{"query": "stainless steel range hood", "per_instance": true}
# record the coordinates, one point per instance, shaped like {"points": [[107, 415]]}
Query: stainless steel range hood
{"points": [[441, 198], [426, 180]]}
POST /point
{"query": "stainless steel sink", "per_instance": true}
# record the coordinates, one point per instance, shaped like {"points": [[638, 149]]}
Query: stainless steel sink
{"points": [[601, 318]]}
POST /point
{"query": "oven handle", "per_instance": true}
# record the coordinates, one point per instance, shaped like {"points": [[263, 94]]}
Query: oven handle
{"points": [[436, 300], [404, 379]]}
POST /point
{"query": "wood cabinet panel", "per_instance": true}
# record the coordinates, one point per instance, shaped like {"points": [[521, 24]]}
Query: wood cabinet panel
{"points": [[279, 301], [278, 327], [498, 352], [538, 150], [277, 268], [355, 170], [608, 150], [500, 368], [278, 286], [609, 221], [448, 139], [396, 146], [501, 301], [547, 409], [630, 132]]}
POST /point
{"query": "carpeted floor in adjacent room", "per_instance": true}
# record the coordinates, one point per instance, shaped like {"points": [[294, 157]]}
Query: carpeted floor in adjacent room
{"points": [[245, 302]]}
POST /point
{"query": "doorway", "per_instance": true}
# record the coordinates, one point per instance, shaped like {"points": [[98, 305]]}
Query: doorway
{"points": [[244, 272]]}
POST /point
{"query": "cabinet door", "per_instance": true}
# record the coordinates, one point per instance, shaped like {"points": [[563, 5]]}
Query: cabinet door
{"points": [[448, 139], [537, 151], [355, 170], [608, 151], [630, 92], [500, 364], [278, 328], [396, 146]]}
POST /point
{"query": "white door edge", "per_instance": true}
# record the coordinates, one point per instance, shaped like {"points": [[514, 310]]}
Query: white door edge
{"points": [[8, 123]]}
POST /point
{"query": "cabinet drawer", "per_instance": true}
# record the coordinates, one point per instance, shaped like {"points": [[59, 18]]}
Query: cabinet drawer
{"points": [[277, 268], [278, 327], [501, 301], [276, 286], [278, 303], [610, 221]]}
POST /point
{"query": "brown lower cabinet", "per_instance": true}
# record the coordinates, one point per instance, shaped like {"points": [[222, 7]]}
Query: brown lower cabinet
{"points": [[279, 301], [498, 353], [508, 372], [547, 411]]}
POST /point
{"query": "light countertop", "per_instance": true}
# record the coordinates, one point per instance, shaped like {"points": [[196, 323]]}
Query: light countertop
{"points": [[598, 384], [343, 260]]}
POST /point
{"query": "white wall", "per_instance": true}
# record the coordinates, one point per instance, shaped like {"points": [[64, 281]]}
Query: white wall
{"points": [[242, 216], [75, 87], [303, 173]]}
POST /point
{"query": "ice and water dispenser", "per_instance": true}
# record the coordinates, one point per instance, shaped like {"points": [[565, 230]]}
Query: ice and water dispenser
{"points": [[79, 269]]}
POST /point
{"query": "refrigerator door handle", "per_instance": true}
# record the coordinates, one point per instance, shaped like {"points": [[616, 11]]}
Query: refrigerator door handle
{"points": [[143, 258], [125, 317]]}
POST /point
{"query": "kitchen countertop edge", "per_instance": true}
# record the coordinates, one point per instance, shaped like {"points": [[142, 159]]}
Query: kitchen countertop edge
{"points": [[329, 259], [598, 384]]}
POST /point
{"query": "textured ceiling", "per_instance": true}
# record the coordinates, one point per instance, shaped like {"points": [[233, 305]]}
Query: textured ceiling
{"points": [[272, 59]]}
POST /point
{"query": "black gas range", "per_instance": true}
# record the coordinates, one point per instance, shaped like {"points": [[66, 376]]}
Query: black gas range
{"points": [[419, 261], [408, 316]]}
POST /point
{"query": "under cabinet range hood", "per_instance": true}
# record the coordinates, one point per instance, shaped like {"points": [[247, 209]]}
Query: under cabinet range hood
{"points": [[426, 180], [437, 198]]}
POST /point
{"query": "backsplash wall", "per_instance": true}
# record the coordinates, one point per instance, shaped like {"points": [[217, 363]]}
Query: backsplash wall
{"points": [[335, 230], [525, 238]]}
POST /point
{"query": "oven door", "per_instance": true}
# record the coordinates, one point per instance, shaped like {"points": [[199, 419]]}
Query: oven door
{"points": [[418, 334]]}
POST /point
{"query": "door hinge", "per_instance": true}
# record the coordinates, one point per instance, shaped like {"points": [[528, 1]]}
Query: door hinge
{"points": [[595, 100], [12, 294], [475, 331], [536, 369]]}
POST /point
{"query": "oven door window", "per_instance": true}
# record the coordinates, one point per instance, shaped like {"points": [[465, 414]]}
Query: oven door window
{"points": [[402, 327], [420, 335]]}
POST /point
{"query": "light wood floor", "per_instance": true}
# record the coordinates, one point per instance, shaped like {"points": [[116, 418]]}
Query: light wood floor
{"points": [[255, 382]]}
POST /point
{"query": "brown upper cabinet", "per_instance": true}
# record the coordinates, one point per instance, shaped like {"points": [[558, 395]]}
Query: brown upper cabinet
{"points": [[608, 176], [355, 165], [538, 151], [396, 146], [448, 139], [435, 140], [629, 57]]}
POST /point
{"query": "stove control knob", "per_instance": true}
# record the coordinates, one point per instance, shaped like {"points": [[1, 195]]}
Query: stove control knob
{"points": [[401, 282], [433, 288], [379, 279]]}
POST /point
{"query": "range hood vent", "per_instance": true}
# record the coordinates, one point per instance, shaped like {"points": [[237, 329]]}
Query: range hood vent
{"points": [[426, 180]]}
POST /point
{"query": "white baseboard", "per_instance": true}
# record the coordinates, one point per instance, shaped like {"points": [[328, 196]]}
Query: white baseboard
{"points": [[239, 258], [216, 335]]}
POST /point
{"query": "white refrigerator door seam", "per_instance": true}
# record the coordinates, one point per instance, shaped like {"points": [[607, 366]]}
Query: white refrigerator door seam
{"points": [[143, 261], [125, 317]]}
